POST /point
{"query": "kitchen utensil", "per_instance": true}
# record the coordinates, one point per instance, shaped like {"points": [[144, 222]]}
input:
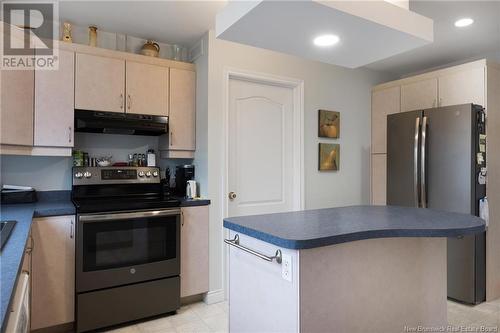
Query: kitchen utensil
{"points": [[151, 49]]}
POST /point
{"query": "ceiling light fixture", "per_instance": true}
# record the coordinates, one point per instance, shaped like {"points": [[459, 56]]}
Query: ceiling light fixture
{"points": [[463, 22], [326, 40]]}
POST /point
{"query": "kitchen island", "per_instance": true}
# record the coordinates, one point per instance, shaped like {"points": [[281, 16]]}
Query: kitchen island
{"points": [[349, 269]]}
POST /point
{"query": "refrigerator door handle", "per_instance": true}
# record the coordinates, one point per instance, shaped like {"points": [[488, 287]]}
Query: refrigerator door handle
{"points": [[423, 189], [415, 161]]}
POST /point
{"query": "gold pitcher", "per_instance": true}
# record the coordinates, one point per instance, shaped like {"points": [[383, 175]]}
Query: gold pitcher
{"points": [[150, 49]]}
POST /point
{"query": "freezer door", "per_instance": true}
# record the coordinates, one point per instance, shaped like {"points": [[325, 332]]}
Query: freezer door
{"points": [[403, 151], [450, 181]]}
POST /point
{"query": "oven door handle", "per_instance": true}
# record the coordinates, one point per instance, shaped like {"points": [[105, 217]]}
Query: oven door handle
{"points": [[126, 216]]}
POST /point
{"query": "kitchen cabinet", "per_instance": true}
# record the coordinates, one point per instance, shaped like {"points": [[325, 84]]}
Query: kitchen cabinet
{"points": [[54, 104], [53, 271], [182, 111], [16, 107], [147, 89], [379, 179], [461, 87], [384, 102], [194, 250], [419, 95], [99, 83]]}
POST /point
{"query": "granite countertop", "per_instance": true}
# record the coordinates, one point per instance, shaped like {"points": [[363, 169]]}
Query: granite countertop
{"points": [[53, 203], [314, 228]]}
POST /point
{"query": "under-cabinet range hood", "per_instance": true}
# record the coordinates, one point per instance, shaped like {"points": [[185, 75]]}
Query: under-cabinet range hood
{"points": [[120, 123]]}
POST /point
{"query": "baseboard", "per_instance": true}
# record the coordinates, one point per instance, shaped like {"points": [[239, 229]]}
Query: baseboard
{"points": [[214, 296]]}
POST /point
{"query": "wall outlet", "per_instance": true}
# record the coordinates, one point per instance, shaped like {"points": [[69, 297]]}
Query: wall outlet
{"points": [[286, 267]]}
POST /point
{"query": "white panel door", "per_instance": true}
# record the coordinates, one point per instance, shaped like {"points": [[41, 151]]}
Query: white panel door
{"points": [[261, 150]]}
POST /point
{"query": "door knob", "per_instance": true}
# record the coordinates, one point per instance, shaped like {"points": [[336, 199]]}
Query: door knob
{"points": [[231, 195]]}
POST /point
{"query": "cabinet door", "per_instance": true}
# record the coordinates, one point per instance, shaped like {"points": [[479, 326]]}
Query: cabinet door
{"points": [[462, 87], [182, 111], [194, 250], [379, 179], [53, 267], [384, 102], [99, 83], [147, 89], [419, 95], [16, 107], [54, 103]]}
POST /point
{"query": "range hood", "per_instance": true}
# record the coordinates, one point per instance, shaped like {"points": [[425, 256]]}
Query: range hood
{"points": [[119, 123]]}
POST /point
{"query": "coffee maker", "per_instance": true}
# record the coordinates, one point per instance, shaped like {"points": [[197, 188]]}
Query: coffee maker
{"points": [[183, 173]]}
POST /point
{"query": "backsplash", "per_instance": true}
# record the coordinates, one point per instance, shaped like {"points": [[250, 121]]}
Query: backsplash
{"points": [[54, 173]]}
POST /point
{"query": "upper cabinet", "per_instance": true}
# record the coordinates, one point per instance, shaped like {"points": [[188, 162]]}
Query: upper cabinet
{"points": [[16, 107], [182, 114], [419, 95], [147, 89], [54, 103], [99, 83], [461, 87], [384, 102]]}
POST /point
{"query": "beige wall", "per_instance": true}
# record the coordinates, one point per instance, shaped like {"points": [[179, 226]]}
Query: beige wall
{"points": [[326, 87]]}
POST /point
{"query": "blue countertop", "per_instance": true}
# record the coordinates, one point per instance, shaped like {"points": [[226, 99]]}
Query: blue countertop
{"points": [[314, 228], [53, 203]]}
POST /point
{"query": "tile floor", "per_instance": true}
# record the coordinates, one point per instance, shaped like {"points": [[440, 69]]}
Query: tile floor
{"points": [[193, 318], [203, 318]]}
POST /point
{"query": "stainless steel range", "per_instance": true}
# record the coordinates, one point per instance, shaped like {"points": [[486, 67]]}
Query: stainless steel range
{"points": [[127, 246]]}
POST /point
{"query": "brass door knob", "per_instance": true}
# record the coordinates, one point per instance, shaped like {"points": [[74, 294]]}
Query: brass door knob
{"points": [[231, 195]]}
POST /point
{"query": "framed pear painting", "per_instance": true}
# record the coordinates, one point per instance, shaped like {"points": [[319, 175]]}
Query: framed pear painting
{"points": [[328, 124], [329, 157]]}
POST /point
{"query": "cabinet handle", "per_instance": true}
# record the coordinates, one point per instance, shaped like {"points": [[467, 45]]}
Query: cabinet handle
{"points": [[71, 231], [171, 137], [70, 129], [182, 218], [129, 101], [121, 101], [29, 249]]}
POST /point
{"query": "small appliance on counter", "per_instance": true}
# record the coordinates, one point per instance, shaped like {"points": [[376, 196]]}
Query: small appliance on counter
{"points": [[191, 189], [183, 173], [12, 194]]}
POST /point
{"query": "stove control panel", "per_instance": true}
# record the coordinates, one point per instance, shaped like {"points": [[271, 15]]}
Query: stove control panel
{"points": [[115, 175]]}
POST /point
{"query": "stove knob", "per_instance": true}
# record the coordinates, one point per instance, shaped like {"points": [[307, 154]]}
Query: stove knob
{"points": [[148, 174], [141, 173], [87, 174], [78, 175], [155, 173]]}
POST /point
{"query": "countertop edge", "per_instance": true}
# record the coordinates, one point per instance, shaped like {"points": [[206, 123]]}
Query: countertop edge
{"points": [[304, 244]]}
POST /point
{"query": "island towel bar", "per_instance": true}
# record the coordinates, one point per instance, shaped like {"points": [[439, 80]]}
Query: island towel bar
{"points": [[236, 243]]}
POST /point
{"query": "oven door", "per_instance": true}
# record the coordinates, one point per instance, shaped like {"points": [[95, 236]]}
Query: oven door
{"points": [[119, 248]]}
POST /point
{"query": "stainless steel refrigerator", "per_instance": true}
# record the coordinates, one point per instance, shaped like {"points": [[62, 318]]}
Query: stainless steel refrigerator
{"points": [[436, 158]]}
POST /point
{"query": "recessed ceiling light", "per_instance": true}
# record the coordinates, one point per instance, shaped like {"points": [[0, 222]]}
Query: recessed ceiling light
{"points": [[463, 22], [326, 40]]}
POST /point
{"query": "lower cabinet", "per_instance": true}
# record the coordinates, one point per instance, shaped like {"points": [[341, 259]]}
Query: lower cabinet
{"points": [[53, 271], [194, 250]]}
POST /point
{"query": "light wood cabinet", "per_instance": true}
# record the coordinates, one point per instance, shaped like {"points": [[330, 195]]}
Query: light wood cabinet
{"points": [[419, 95], [462, 87], [54, 104], [147, 89], [99, 83], [16, 107], [182, 111], [194, 250], [384, 102], [53, 271], [379, 179]]}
